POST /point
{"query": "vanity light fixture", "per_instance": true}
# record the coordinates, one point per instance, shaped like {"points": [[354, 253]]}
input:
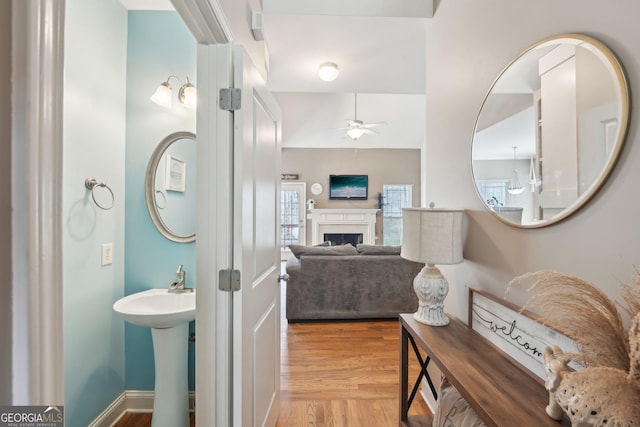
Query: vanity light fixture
{"points": [[187, 93], [514, 186], [328, 71]]}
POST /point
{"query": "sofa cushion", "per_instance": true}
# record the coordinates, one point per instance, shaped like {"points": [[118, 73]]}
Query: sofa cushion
{"points": [[300, 250], [377, 250]]}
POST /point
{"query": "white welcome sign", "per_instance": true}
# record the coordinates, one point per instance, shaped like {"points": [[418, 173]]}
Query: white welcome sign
{"points": [[516, 332]]}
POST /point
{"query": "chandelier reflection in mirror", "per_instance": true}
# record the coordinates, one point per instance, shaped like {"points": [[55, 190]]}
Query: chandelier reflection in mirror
{"points": [[514, 186], [563, 104], [187, 93]]}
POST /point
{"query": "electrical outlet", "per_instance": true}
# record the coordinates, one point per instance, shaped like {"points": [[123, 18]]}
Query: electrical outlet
{"points": [[107, 254]]}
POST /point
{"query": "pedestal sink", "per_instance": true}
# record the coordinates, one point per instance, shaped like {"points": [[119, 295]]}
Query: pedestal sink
{"points": [[168, 315]]}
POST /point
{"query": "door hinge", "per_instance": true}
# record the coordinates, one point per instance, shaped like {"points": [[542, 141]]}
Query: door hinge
{"points": [[229, 280], [230, 99]]}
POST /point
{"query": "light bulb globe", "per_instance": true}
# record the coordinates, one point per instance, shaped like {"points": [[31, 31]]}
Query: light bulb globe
{"points": [[328, 71], [162, 95]]}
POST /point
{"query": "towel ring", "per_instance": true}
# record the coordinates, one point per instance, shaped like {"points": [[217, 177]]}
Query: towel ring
{"points": [[91, 184], [164, 199]]}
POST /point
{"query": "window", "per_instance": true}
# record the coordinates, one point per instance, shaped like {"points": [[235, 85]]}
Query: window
{"points": [[494, 193], [395, 197]]}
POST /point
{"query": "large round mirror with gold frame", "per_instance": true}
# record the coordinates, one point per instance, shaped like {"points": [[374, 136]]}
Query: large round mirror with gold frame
{"points": [[550, 130]]}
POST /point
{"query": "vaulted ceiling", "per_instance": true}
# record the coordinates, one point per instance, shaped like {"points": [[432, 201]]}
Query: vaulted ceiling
{"points": [[379, 46]]}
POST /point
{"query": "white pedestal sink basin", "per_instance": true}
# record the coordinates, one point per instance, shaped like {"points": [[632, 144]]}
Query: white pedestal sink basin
{"points": [[168, 315]]}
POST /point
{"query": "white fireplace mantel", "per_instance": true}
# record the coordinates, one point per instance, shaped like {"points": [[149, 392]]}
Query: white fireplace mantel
{"points": [[343, 221]]}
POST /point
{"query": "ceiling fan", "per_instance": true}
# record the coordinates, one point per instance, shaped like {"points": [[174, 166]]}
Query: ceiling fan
{"points": [[356, 128]]}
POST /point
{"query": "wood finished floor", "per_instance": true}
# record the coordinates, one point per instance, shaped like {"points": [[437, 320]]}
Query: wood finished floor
{"points": [[335, 374], [339, 374]]}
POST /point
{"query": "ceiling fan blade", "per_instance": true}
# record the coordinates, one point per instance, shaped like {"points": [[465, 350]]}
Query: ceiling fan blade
{"points": [[375, 124]]}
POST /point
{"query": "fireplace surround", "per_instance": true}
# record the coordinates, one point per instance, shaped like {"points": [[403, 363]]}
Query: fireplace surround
{"points": [[343, 221]]}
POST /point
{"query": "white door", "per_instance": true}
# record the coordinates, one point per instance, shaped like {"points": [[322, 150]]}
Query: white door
{"points": [[238, 347], [293, 201], [256, 250]]}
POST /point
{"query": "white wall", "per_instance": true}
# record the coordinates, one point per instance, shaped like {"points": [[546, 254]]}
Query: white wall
{"points": [[468, 44], [238, 14], [318, 119], [5, 203]]}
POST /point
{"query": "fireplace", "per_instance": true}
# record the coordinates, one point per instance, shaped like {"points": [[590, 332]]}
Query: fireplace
{"points": [[343, 238], [341, 222]]}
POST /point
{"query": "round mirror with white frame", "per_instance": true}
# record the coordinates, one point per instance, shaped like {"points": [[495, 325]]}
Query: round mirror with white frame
{"points": [[170, 190], [550, 130]]}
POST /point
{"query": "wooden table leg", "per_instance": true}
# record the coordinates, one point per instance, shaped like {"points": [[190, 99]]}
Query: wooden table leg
{"points": [[404, 374]]}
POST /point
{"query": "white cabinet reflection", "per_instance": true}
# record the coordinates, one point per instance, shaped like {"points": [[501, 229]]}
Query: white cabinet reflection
{"points": [[555, 121]]}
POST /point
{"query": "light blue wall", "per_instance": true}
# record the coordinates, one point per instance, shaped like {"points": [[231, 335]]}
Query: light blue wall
{"points": [[159, 45], [94, 146]]}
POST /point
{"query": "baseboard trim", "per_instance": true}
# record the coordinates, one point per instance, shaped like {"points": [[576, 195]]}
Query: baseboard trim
{"points": [[130, 401], [139, 400], [112, 413]]}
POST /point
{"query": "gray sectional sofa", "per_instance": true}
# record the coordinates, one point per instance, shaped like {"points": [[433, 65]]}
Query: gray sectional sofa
{"points": [[342, 282]]}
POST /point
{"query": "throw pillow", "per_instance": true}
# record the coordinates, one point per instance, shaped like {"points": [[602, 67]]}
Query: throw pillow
{"points": [[378, 250], [299, 250], [453, 411]]}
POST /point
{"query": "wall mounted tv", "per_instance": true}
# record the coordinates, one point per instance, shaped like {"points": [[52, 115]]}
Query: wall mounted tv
{"points": [[348, 187]]}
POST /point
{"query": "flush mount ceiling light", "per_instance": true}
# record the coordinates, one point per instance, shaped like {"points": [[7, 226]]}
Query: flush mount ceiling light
{"points": [[328, 71], [187, 94]]}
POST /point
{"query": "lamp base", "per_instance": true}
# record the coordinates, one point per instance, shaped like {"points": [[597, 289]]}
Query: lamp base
{"points": [[431, 288]]}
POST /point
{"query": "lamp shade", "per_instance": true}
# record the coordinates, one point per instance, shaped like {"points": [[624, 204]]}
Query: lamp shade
{"points": [[162, 95], [432, 236], [188, 95]]}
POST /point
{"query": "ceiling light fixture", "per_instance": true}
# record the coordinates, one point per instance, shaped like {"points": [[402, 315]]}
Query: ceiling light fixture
{"points": [[355, 133], [187, 94], [356, 128], [328, 71]]}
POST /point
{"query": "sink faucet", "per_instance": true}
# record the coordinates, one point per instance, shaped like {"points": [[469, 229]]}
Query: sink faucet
{"points": [[178, 286]]}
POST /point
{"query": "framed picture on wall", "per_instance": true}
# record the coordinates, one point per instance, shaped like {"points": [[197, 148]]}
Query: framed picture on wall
{"points": [[176, 174]]}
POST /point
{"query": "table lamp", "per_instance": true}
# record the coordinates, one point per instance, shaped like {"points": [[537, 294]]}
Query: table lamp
{"points": [[432, 236]]}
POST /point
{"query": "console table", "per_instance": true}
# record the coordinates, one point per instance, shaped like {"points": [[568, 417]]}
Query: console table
{"points": [[500, 392]]}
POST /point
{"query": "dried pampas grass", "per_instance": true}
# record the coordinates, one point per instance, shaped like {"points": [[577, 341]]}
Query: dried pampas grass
{"points": [[585, 314]]}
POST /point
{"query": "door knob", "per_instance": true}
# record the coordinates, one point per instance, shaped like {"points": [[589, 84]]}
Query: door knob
{"points": [[283, 277]]}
